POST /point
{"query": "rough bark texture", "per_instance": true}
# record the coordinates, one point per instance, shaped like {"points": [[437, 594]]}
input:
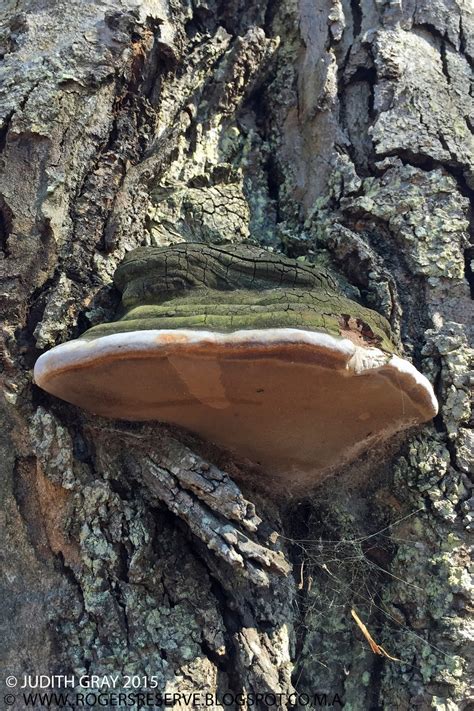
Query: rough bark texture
{"points": [[335, 131]]}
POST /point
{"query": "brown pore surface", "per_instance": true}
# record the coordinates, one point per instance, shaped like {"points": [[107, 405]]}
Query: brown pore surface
{"points": [[295, 410]]}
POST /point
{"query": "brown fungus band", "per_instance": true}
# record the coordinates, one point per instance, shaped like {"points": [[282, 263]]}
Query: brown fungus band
{"points": [[256, 352]]}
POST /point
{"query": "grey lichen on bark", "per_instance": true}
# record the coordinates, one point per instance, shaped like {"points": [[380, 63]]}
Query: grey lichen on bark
{"points": [[335, 131], [162, 615]]}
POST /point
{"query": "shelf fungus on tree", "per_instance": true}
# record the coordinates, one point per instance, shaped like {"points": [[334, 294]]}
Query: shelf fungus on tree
{"points": [[258, 353]]}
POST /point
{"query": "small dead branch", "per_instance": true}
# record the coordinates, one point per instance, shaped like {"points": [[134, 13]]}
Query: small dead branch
{"points": [[376, 648]]}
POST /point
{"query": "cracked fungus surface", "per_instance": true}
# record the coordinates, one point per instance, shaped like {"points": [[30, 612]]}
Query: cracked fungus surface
{"points": [[250, 350]]}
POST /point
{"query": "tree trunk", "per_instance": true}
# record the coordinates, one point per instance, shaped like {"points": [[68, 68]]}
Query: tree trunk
{"points": [[334, 131]]}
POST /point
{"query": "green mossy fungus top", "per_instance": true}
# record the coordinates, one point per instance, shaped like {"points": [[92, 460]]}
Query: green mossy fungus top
{"points": [[205, 287]]}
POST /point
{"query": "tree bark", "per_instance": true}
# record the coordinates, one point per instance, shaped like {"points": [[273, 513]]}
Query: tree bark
{"points": [[337, 132]]}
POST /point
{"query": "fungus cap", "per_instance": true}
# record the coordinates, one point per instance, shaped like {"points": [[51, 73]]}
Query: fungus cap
{"points": [[297, 401]]}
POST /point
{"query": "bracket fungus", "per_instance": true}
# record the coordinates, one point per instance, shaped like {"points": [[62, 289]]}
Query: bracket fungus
{"points": [[256, 352]]}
